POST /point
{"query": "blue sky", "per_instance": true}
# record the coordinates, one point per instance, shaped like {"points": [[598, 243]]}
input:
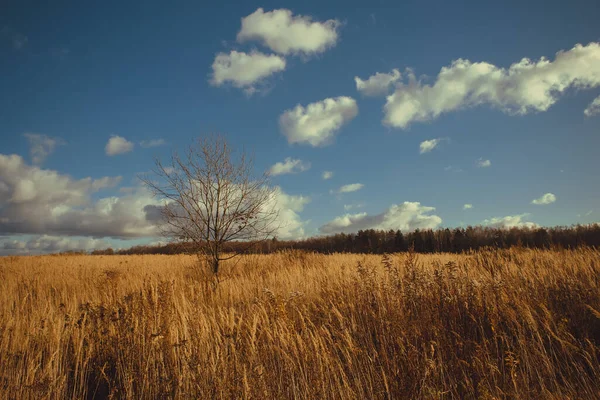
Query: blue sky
{"points": [[72, 76]]}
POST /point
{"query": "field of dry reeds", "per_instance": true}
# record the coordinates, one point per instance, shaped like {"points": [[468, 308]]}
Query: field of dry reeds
{"points": [[494, 324]]}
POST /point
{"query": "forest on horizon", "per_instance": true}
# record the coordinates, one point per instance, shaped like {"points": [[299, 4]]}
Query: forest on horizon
{"points": [[371, 241]]}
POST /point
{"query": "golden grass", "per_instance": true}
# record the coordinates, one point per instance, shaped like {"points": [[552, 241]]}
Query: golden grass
{"points": [[492, 324]]}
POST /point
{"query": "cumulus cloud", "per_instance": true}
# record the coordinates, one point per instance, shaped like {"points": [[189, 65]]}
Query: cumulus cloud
{"points": [[407, 216], [291, 225], [41, 201], [593, 108], [378, 84], [153, 143], [317, 123], [35, 201], [510, 221], [526, 86], [467, 206], [245, 71], [327, 175], [289, 166], [287, 34], [547, 198], [41, 146], [427, 145], [481, 163], [352, 187], [118, 145], [44, 244], [286, 207]]}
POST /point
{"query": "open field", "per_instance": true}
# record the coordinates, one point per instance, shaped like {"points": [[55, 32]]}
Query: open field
{"points": [[493, 324]]}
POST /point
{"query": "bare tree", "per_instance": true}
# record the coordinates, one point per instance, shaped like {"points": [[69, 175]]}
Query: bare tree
{"points": [[211, 199]]}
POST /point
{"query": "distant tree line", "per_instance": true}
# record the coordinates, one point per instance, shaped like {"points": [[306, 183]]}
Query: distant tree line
{"points": [[373, 241]]}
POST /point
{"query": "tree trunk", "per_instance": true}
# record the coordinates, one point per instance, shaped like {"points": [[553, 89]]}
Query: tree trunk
{"points": [[215, 265]]}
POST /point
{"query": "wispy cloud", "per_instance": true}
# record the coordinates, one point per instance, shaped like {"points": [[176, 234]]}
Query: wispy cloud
{"points": [[427, 145], [467, 206], [547, 198], [17, 39], [481, 163], [289, 166], [327, 175], [593, 108], [352, 187], [41, 146], [153, 143], [587, 214], [452, 168], [348, 207]]}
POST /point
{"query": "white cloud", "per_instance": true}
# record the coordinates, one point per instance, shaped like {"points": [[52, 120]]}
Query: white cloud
{"points": [[291, 225], [289, 166], [547, 198], [118, 145], [327, 175], [35, 201], [452, 168], [587, 214], [348, 207], [286, 208], [481, 163], [511, 221], [378, 84], [286, 34], [593, 108], [352, 187], [526, 86], [44, 244], [407, 216], [428, 145], [317, 123], [102, 183], [153, 143], [41, 146], [245, 71], [41, 201], [467, 206]]}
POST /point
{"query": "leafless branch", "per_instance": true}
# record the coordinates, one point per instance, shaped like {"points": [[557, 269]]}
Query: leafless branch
{"points": [[210, 199]]}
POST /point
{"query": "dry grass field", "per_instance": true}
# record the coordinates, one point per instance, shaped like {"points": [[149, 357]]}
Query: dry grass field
{"points": [[496, 324]]}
